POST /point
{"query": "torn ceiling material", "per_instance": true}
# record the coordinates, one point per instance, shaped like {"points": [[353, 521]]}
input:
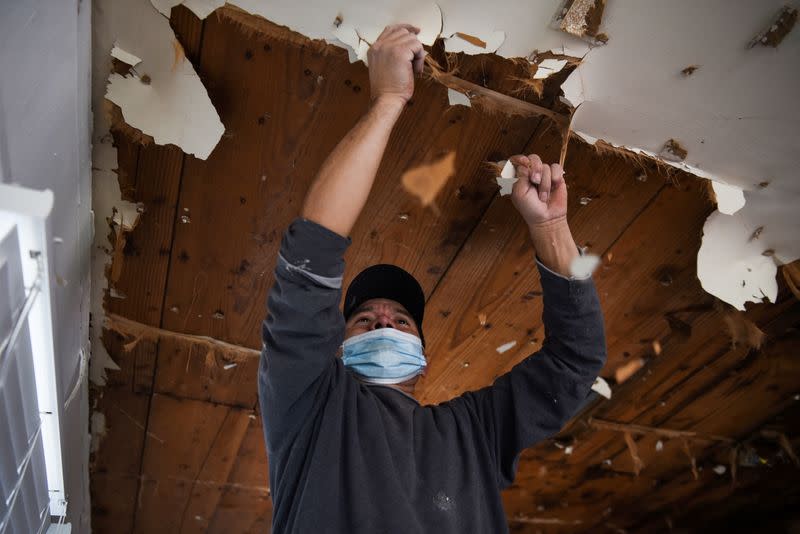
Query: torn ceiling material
{"points": [[162, 95], [634, 91]]}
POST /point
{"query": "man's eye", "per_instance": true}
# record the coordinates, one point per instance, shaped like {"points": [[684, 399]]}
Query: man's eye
{"points": [[363, 320], [403, 322]]}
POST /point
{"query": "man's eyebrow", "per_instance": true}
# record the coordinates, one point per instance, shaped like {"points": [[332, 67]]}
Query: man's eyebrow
{"points": [[402, 311], [362, 308]]}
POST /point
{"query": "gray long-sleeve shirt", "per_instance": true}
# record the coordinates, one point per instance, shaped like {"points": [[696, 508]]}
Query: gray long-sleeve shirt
{"points": [[349, 457]]}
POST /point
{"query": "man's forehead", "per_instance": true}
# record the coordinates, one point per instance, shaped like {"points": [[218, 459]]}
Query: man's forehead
{"points": [[368, 305]]}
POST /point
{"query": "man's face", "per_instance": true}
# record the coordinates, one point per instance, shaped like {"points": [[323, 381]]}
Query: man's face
{"points": [[380, 313]]}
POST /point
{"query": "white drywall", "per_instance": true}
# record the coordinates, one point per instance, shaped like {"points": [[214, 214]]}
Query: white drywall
{"points": [[44, 144]]}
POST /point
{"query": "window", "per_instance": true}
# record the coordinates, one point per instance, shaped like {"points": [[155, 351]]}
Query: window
{"points": [[31, 472]]}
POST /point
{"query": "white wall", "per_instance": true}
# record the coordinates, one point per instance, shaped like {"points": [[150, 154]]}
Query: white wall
{"points": [[44, 144]]}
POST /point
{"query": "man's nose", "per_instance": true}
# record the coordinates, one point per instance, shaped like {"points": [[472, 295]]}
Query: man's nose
{"points": [[383, 322]]}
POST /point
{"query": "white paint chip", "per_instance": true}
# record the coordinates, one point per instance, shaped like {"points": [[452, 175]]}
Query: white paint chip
{"points": [[720, 469], [601, 387], [548, 67], [124, 56], [583, 266], [659, 446], [457, 98], [730, 198], [507, 178], [506, 347], [229, 366]]}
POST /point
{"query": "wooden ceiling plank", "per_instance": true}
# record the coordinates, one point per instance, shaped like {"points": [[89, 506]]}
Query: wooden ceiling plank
{"points": [[496, 269], [193, 445]]}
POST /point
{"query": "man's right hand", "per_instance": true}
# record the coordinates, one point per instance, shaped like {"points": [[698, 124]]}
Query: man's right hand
{"points": [[394, 58]]}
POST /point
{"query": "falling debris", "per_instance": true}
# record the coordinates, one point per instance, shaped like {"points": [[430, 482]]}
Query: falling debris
{"points": [[720, 469], [482, 319], [585, 200], [582, 267], [688, 71], [673, 151], [601, 387], [780, 28], [506, 347], [624, 372], [427, 180], [582, 18], [730, 198], [471, 39], [659, 446], [229, 366], [507, 178], [125, 56], [457, 98], [656, 347], [743, 331], [548, 67]]}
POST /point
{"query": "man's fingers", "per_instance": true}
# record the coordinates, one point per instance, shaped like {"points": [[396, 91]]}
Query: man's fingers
{"points": [[544, 185], [556, 176], [537, 169]]}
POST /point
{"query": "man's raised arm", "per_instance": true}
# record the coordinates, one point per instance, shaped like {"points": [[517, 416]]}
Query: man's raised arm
{"points": [[304, 327], [540, 394]]}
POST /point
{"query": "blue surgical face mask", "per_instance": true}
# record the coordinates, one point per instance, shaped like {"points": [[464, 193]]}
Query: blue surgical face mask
{"points": [[384, 356]]}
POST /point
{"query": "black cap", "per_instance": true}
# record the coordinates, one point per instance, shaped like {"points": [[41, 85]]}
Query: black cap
{"points": [[386, 281]]}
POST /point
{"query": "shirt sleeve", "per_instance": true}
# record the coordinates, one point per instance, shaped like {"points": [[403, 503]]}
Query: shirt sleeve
{"points": [[540, 394], [304, 326]]}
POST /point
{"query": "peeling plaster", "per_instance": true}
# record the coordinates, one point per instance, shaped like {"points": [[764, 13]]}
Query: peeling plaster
{"points": [[629, 92], [457, 98], [548, 67], [170, 104], [507, 178]]}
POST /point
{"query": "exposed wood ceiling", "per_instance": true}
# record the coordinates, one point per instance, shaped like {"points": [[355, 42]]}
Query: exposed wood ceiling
{"points": [[183, 450]]}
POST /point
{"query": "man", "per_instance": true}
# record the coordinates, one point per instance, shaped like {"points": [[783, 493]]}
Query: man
{"points": [[349, 448]]}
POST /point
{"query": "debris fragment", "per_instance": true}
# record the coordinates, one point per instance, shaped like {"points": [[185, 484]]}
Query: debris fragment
{"points": [[229, 366], [673, 151], [476, 41], [506, 347], [569, 449], [582, 18], [548, 67], [656, 347], [585, 200], [115, 293], [688, 71], [638, 464], [779, 28], [471, 44], [125, 56], [583, 266], [659, 446], [624, 372], [601, 387], [692, 459], [428, 179], [507, 178], [457, 98], [185, 219], [482, 319], [403, 216], [730, 198], [720, 469], [743, 331]]}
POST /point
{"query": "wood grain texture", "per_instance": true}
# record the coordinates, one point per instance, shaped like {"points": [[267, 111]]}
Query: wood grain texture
{"points": [[193, 448], [497, 263]]}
